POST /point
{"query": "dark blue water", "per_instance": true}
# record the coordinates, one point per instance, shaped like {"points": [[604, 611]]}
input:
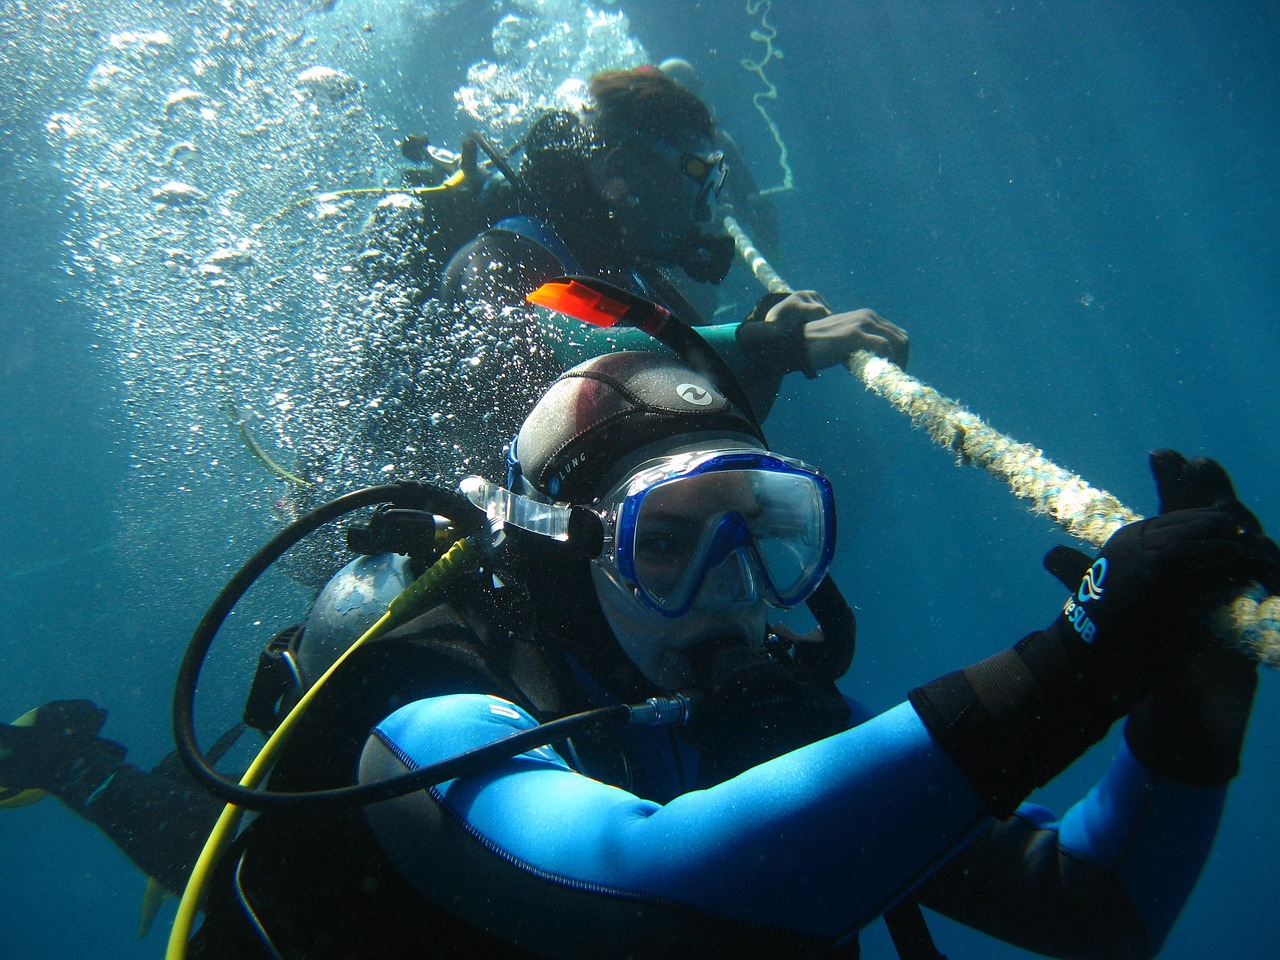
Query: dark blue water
{"points": [[1072, 208]]}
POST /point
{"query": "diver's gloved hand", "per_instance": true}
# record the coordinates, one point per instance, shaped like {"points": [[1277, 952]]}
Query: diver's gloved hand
{"points": [[1191, 727], [803, 334], [60, 753], [1134, 609], [1016, 720]]}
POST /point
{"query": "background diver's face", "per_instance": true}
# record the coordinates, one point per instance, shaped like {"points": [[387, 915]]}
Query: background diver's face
{"points": [[660, 190], [728, 605]]}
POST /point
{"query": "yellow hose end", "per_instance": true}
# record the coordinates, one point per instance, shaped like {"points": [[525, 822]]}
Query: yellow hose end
{"points": [[11, 799]]}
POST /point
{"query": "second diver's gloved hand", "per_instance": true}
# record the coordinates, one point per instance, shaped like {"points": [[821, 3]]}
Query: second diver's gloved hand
{"points": [[60, 753], [1191, 727], [800, 333], [1014, 721]]}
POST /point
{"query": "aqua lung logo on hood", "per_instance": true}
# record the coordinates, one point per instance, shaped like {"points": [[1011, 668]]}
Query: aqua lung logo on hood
{"points": [[694, 394], [557, 478]]}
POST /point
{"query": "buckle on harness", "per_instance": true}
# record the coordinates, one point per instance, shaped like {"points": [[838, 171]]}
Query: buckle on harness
{"points": [[277, 683]]}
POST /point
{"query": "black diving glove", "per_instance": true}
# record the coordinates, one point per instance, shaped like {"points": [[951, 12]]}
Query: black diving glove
{"points": [[1014, 721], [1191, 727], [778, 346], [60, 753]]}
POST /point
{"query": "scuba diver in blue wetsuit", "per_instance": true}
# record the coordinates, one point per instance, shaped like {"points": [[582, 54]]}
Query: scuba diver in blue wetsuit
{"points": [[643, 535]]}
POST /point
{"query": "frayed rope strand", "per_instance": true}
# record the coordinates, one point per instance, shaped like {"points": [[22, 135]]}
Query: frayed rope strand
{"points": [[1250, 621]]}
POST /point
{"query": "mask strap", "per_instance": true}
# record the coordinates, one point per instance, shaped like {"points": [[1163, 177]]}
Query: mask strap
{"points": [[578, 527], [515, 476]]}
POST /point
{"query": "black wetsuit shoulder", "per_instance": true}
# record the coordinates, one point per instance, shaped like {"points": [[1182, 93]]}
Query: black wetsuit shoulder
{"points": [[314, 879]]}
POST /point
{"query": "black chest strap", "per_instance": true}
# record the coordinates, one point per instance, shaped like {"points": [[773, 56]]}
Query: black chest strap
{"points": [[910, 933]]}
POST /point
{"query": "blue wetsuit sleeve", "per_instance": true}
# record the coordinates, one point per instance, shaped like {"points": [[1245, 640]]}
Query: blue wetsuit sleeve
{"points": [[1106, 880], [1153, 834], [819, 841]]}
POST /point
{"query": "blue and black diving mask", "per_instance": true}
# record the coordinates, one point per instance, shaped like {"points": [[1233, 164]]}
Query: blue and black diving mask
{"points": [[704, 176], [702, 527]]}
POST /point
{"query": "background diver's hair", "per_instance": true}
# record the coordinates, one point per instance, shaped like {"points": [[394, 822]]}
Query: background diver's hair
{"points": [[645, 104]]}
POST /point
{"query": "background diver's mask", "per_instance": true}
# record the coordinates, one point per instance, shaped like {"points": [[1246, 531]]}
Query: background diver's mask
{"points": [[712, 528], [673, 188], [703, 176]]}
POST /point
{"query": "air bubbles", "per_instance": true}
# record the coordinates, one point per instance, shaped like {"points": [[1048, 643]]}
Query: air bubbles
{"points": [[180, 151], [541, 49], [183, 95], [140, 41], [228, 271], [331, 211], [102, 77], [333, 85], [175, 193], [233, 257], [62, 125]]}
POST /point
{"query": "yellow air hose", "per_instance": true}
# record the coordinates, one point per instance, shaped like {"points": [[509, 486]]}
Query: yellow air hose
{"points": [[12, 799], [1250, 621], [251, 444], [458, 560], [455, 179]]}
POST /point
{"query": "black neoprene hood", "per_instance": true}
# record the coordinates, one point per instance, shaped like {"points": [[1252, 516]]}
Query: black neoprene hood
{"points": [[607, 408]]}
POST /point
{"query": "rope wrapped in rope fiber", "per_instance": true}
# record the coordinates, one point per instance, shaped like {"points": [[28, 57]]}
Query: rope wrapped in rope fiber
{"points": [[1250, 621], [1083, 511], [755, 260]]}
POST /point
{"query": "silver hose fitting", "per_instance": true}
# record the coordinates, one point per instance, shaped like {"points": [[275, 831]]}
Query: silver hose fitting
{"points": [[663, 711]]}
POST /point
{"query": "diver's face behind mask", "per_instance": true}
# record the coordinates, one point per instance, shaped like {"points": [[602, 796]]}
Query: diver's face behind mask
{"points": [[662, 192], [699, 543], [701, 174]]}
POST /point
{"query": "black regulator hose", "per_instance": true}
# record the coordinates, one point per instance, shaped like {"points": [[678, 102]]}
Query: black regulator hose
{"points": [[464, 764], [407, 495], [480, 140], [656, 711]]}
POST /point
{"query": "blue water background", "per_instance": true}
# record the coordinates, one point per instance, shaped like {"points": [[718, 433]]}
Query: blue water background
{"points": [[1072, 207]]}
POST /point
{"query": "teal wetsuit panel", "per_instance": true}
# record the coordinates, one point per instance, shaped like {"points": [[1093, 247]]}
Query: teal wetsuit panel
{"points": [[574, 342]]}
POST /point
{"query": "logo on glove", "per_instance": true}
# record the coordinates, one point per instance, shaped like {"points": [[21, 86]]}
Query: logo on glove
{"points": [[1090, 589], [1091, 582]]}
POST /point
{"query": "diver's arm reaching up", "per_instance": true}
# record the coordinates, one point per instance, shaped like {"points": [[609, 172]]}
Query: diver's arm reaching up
{"points": [[814, 844], [1110, 878]]}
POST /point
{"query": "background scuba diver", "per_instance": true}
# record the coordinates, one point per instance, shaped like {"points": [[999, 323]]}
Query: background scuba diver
{"points": [[624, 192], [741, 196], [621, 192], [782, 819]]}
